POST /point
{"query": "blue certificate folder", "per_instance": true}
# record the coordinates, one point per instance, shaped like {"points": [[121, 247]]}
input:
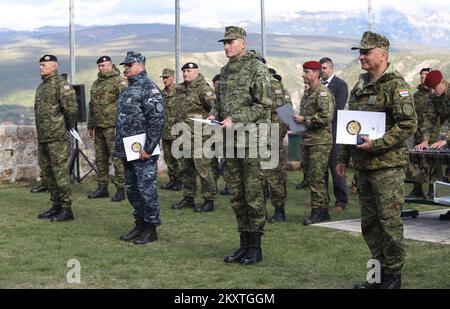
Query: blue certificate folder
{"points": [[286, 114]]}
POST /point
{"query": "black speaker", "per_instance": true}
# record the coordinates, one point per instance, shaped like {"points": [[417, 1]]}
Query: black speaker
{"points": [[81, 101]]}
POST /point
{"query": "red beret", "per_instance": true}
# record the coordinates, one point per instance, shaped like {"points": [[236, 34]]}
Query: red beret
{"points": [[433, 79], [312, 65]]}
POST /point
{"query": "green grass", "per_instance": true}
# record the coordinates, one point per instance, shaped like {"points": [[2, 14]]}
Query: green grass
{"points": [[34, 253]]}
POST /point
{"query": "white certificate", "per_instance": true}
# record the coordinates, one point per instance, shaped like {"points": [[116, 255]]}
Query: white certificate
{"points": [[134, 144], [352, 123]]}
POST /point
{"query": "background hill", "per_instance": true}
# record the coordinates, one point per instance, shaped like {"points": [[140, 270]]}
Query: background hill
{"points": [[20, 51]]}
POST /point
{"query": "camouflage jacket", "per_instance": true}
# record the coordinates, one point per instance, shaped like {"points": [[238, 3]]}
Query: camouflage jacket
{"points": [[194, 100], [437, 111], [104, 94], [171, 112], [317, 106], [392, 95], [140, 109], [280, 97], [244, 93], [55, 108]]}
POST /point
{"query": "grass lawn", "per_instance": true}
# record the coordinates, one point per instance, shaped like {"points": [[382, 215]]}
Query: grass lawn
{"points": [[34, 253]]}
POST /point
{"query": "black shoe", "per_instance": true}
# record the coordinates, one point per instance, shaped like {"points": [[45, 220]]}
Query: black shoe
{"points": [[430, 194], [148, 235], [416, 192], [279, 215], [207, 206], [254, 252], [324, 214], [101, 192], [225, 191], [135, 232], [120, 195], [187, 202], [367, 286], [445, 216], [314, 217], [64, 215], [168, 186], [177, 186], [39, 189], [50, 213], [391, 282], [302, 185], [239, 253]]}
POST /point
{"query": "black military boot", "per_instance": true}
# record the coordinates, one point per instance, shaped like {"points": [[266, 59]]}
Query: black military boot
{"points": [[177, 186], [445, 216], [301, 185], [314, 217], [187, 202], [239, 253], [148, 235], [135, 232], [64, 215], [101, 192], [367, 286], [416, 192], [207, 206], [225, 191], [120, 195], [279, 215], [50, 213], [391, 282], [324, 214], [39, 189], [168, 186], [254, 252], [430, 194]]}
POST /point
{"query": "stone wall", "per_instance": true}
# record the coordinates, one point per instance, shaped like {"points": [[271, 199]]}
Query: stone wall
{"points": [[18, 154]]}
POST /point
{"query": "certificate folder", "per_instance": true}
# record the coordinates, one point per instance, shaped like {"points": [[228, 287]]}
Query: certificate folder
{"points": [[350, 124], [134, 145], [286, 114]]}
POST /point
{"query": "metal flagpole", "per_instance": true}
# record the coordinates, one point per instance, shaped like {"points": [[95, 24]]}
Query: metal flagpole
{"points": [[263, 29], [369, 18], [177, 40]]}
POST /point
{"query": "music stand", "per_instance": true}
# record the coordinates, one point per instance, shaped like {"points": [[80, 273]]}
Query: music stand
{"points": [[74, 165]]}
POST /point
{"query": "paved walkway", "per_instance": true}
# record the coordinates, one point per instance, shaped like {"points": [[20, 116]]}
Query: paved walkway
{"points": [[426, 227]]}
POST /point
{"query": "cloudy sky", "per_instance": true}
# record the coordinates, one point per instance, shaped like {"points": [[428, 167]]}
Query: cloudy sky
{"points": [[30, 14]]}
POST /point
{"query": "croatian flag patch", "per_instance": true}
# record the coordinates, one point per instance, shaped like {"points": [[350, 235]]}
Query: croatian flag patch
{"points": [[404, 93]]}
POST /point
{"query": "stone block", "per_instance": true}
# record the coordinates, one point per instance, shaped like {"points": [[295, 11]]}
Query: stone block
{"points": [[27, 173], [2, 132], [26, 133], [10, 131], [6, 175]]}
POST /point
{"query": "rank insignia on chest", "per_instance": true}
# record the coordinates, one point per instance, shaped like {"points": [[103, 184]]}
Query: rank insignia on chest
{"points": [[323, 94]]}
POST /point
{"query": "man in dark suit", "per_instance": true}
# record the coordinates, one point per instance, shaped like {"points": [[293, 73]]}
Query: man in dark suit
{"points": [[339, 89]]}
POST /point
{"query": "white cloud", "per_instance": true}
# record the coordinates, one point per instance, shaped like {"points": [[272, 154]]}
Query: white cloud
{"points": [[27, 14]]}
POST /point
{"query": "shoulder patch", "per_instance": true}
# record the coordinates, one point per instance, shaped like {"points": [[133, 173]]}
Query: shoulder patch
{"points": [[324, 94], [408, 110], [159, 107], [66, 87], [404, 93], [155, 91]]}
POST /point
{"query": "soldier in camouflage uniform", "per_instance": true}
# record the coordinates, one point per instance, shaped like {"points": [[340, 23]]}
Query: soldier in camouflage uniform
{"points": [[245, 97], [316, 113], [56, 112], [171, 110], [196, 98], [140, 110], [417, 170], [437, 109], [380, 164], [102, 124]]}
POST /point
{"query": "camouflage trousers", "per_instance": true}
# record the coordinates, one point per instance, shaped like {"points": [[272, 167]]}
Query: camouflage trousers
{"points": [[205, 169], [315, 164], [53, 161], [244, 180], [381, 197], [140, 186], [173, 166], [422, 170], [275, 183], [104, 148]]}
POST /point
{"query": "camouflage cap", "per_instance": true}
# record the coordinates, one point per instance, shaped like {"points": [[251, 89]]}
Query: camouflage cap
{"points": [[167, 73], [371, 40], [133, 57], [233, 33]]}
